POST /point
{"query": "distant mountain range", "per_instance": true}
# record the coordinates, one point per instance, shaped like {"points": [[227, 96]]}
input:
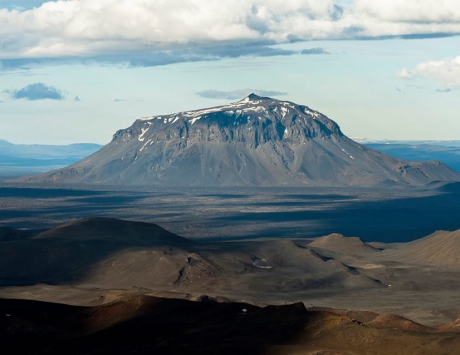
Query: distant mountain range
{"points": [[20, 159], [447, 152], [440, 143], [258, 141], [42, 152]]}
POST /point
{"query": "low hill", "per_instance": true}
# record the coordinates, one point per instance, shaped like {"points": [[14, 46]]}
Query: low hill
{"points": [[95, 249], [345, 245], [115, 230]]}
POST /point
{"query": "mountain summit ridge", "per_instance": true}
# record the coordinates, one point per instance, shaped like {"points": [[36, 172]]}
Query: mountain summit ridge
{"points": [[257, 141], [251, 112]]}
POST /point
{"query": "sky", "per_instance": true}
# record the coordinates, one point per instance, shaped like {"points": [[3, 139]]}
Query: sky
{"points": [[79, 70]]}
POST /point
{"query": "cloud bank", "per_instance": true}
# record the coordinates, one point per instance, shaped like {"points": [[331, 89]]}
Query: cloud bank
{"points": [[445, 73], [188, 30], [37, 91]]}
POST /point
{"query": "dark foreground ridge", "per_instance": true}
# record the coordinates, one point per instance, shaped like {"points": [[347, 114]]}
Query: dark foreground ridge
{"points": [[151, 325], [258, 141]]}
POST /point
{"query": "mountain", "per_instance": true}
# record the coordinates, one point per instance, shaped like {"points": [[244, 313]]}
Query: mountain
{"points": [[255, 141]]}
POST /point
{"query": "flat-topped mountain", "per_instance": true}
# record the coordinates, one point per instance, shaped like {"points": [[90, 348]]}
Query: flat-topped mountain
{"points": [[255, 141]]}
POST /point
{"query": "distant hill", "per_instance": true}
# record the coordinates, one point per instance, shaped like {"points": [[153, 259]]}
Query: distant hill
{"points": [[257, 141], [440, 248], [339, 243]]}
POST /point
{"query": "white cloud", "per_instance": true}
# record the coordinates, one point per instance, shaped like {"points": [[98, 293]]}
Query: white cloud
{"points": [[91, 28], [407, 17], [410, 11], [445, 73]]}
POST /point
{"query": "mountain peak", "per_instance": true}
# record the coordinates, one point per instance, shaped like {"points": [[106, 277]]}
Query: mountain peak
{"points": [[253, 97]]}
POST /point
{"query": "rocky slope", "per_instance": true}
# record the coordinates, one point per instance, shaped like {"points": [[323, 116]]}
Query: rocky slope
{"points": [[255, 141]]}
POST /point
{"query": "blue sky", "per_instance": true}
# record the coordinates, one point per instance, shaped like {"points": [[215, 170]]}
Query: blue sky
{"points": [[77, 71]]}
